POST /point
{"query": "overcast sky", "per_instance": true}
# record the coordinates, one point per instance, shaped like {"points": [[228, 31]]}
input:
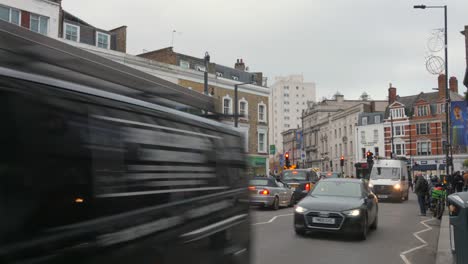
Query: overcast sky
{"points": [[350, 46]]}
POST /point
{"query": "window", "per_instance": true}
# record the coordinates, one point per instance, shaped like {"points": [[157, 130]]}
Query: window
{"points": [[397, 113], [39, 24], [336, 135], [376, 135], [261, 141], [376, 151], [442, 108], [184, 64], [227, 108], [398, 131], [364, 121], [286, 118], [286, 125], [336, 150], [72, 32], [235, 78], [351, 147], [10, 15], [261, 112], [363, 136], [444, 129], [286, 87], [422, 110], [286, 102], [243, 108], [219, 74], [286, 110], [400, 149], [363, 152], [424, 148], [297, 87], [339, 132], [200, 68], [423, 129], [103, 40], [286, 95], [377, 119]]}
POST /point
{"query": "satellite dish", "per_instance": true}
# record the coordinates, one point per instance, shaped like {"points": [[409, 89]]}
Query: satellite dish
{"points": [[435, 65]]}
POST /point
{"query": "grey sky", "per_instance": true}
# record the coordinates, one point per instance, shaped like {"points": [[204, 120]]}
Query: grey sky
{"points": [[349, 46]]}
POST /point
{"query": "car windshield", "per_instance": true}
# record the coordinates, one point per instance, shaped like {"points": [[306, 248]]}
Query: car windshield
{"points": [[258, 182], [392, 173], [295, 175], [337, 188]]}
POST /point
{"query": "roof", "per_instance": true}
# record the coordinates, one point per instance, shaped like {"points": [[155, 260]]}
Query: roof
{"points": [[410, 101], [27, 51], [70, 17]]}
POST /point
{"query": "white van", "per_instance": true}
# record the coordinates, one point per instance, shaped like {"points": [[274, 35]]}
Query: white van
{"points": [[389, 179]]}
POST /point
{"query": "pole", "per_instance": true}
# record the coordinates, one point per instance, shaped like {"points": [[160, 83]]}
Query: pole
{"points": [[236, 105], [302, 139], [447, 96], [391, 127], [207, 60]]}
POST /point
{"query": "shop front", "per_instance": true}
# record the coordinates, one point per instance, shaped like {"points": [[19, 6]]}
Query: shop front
{"points": [[257, 166]]}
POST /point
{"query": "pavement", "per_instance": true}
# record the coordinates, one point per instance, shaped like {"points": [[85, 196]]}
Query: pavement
{"points": [[401, 237], [444, 251]]}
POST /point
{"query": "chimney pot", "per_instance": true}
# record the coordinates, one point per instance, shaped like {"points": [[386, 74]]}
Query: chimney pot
{"points": [[392, 94], [453, 84], [441, 85]]}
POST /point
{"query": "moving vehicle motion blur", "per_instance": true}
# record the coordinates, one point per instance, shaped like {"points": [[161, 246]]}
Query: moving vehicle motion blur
{"points": [[268, 192], [93, 173], [337, 205], [300, 180], [389, 179]]}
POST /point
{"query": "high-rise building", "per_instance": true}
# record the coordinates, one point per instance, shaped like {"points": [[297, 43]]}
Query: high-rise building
{"points": [[288, 98]]}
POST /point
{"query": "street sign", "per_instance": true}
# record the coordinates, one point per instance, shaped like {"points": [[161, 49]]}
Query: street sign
{"points": [[272, 149]]}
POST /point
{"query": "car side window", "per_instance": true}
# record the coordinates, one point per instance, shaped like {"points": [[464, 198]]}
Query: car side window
{"points": [[272, 183]]}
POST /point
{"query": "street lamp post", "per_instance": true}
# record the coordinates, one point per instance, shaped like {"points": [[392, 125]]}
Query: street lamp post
{"points": [[207, 61], [447, 93]]}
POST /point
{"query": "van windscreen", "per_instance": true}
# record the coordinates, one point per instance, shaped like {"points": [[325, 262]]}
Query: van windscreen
{"points": [[393, 173]]}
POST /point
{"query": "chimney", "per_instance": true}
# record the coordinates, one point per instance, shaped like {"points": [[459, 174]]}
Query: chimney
{"points": [[120, 35], [453, 84], [441, 85], [391, 94], [239, 65]]}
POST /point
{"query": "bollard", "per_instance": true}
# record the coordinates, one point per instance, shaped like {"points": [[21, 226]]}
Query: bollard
{"points": [[458, 210]]}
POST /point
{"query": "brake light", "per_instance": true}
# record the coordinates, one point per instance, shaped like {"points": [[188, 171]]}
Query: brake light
{"points": [[252, 188], [307, 187], [265, 192]]}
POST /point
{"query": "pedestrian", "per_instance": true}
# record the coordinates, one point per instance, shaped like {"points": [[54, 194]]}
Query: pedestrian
{"points": [[421, 188], [465, 178], [458, 182], [410, 183]]}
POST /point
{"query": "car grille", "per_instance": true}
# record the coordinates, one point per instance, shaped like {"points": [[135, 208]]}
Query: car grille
{"points": [[337, 216], [383, 189]]}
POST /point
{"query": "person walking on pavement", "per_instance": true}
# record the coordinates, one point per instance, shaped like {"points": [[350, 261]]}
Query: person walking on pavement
{"points": [[465, 178], [458, 182], [421, 188]]}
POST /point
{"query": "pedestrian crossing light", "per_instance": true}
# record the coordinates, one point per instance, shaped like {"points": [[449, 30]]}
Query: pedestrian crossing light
{"points": [[342, 161], [370, 157]]}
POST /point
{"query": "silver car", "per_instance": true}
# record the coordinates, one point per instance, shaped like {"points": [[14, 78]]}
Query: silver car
{"points": [[268, 192]]}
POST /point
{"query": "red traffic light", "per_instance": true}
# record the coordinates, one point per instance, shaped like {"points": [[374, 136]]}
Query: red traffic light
{"points": [[286, 155], [368, 153], [342, 158]]}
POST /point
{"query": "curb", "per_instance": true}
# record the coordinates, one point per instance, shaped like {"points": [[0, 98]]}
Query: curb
{"points": [[444, 253]]}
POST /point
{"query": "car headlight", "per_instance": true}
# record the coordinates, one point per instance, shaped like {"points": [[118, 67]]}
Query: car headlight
{"points": [[397, 186], [354, 212], [300, 209], [371, 185]]}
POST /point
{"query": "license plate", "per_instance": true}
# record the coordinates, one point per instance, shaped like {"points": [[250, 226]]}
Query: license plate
{"points": [[382, 196], [322, 220]]}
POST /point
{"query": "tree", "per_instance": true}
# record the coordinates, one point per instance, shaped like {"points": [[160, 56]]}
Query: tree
{"points": [[465, 163]]}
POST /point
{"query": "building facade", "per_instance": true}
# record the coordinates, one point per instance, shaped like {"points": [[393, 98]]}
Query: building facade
{"points": [[289, 96], [41, 16], [330, 129], [414, 128], [465, 80], [291, 144], [369, 135]]}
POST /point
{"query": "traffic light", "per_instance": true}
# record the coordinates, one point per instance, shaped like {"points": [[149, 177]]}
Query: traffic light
{"points": [[342, 161], [287, 162], [370, 157]]}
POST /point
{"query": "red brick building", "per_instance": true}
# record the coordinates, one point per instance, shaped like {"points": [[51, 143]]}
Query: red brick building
{"points": [[418, 123]]}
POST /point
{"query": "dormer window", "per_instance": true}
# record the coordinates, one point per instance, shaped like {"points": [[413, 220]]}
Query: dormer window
{"points": [[397, 113], [423, 110], [200, 68], [219, 74], [235, 78]]}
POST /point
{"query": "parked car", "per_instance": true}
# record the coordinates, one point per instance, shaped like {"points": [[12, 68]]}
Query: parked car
{"points": [[338, 205], [301, 181], [269, 192]]}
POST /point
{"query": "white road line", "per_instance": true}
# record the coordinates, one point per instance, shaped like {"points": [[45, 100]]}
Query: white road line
{"points": [[416, 235], [272, 219]]}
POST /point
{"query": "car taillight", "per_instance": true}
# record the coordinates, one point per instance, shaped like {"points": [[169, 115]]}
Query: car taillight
{"points": [[265, 192], [252, 188], [307, 187]]}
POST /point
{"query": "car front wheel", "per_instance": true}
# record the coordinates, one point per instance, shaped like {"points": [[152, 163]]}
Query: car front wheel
{"points": [[275, 205], [363, 233]]}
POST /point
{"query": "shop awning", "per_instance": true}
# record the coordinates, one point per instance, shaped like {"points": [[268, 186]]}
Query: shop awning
{"points": [[425, 167]]}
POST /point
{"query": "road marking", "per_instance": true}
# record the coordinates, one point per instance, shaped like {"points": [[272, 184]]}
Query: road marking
{"points": [[272, 219], [416, 235]]}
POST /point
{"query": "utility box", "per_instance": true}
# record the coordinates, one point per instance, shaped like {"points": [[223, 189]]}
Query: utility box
{"points": [[458, 205]]}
